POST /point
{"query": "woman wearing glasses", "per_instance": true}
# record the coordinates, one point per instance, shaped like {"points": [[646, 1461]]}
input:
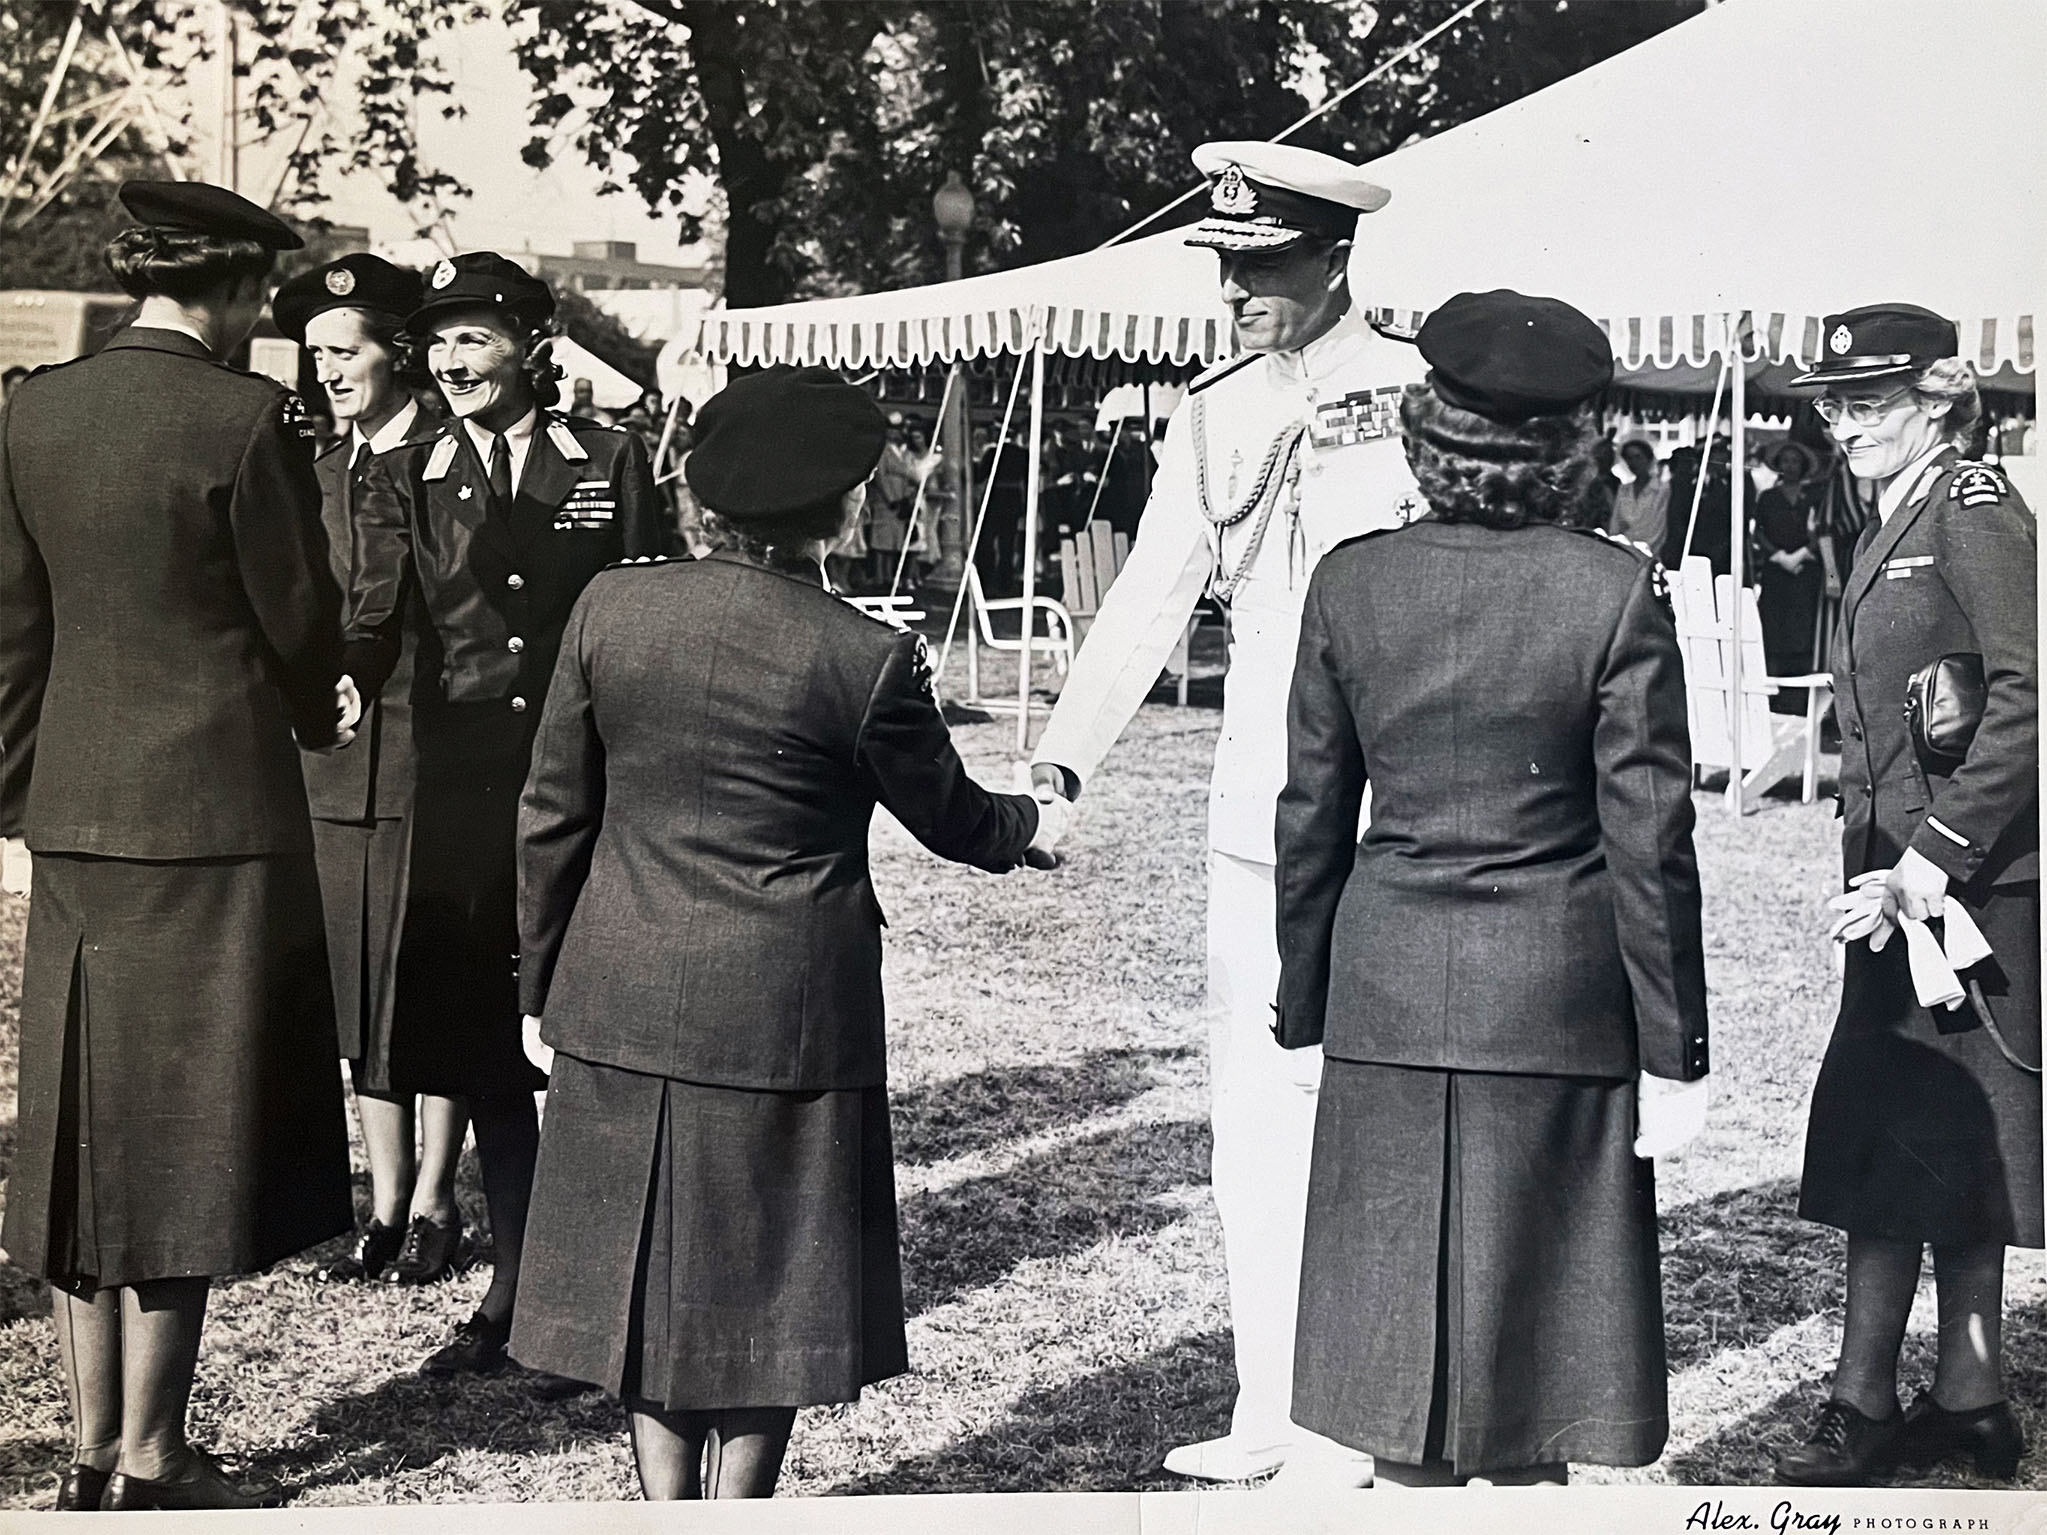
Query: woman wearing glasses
{"points": [[1925, 1125]]}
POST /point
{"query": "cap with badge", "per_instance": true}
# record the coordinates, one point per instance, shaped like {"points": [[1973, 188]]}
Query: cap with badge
{"points": [[1879, 341], [200, 208], [482, 279], [359, 281], [1509, 357], [781, 440], [1267, 197]]}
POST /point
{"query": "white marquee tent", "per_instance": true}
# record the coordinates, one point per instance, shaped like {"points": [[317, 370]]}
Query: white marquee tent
{"points": [[1741, 174]]}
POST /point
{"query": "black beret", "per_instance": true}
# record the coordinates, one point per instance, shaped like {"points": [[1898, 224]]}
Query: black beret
{"points": [[482, 279], [206, 210], [360, 281], [1880, 341], [1509, 357], [783, 439]]}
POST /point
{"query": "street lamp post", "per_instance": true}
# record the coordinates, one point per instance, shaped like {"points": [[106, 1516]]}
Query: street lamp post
{"points": [[952, 209]]}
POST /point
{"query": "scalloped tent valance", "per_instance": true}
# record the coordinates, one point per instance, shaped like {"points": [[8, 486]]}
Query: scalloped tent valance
{"points": [[1577, 191]]}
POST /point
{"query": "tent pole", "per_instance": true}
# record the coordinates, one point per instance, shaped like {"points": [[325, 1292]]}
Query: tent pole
{"points": [[1737, 490], [1030, 550]]}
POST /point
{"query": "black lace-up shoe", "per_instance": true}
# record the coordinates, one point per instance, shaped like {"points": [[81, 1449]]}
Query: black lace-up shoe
{"points": [[376, 1247], [1989, 1436], [429, 1253], [1845, 1450], [478, 1348], [81, 1489], [205, 1484]]}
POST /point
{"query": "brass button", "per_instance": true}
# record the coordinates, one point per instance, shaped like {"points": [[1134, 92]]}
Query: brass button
{"points": [[515, 581], [518, 706], [515, 644]]}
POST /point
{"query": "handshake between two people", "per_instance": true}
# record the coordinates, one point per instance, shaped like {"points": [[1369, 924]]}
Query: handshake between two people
{"points": [[1044, 784], [347, 715]]}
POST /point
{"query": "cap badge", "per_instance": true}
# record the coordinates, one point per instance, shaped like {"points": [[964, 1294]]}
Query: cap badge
{"points": [[1840, 341], [1233, 195], [444, 273], [341, 282]]}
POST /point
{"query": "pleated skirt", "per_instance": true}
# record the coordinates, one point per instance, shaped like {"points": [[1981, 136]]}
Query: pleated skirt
{"points": [[1920, 1128], [364, 873], [1480, 1280], [181, 1113], [694, 1247]]}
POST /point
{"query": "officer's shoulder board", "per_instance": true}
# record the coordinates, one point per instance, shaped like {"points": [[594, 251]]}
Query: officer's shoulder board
{"points": [[563, 437], [442, 459], [1222, 370], [636, 561], [1976, 484], [1659, 579]]}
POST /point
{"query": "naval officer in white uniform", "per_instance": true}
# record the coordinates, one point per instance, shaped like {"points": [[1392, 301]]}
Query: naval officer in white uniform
{"points": [[1270, 460]]}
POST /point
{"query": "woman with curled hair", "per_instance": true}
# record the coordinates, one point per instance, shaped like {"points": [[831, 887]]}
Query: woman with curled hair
{"points": [[1505, 973], [1925, 1123], [714, 1219], [169, 622], [480, 537]]}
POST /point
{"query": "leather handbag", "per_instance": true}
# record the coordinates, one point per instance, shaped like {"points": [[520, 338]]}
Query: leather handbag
{"points": [[1943, 707]]}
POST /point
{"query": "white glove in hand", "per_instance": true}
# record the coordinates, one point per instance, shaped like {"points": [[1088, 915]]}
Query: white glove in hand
{"points": [[15, 869], [350, 702], [1668, 1114], [538, 1052]]}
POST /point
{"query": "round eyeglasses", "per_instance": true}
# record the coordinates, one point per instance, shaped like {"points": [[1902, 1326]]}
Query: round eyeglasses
{"points": [[1862, 412]]}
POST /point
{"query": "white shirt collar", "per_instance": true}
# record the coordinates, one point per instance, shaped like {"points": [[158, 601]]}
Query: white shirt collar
{"points": [[390, 434], [1902, 489], [517, 435], [183, 330], [1327, 352]]}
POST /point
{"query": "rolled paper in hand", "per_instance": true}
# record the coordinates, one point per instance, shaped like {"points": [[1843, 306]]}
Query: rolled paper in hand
{"points": [[1932, 977]]}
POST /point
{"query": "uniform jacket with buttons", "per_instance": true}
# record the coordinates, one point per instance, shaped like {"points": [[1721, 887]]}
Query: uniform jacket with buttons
{"points": [[694, 896], [493, 589], [373, 778], [168, 613], [1348, 476], [1952, 571], [1526, 898]]}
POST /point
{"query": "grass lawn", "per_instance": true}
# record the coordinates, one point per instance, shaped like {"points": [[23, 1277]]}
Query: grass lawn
{"points": [[1064, 1266]]}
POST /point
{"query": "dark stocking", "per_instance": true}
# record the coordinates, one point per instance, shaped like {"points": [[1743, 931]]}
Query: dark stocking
{"points": [[89, 1341], [507, 1144]]}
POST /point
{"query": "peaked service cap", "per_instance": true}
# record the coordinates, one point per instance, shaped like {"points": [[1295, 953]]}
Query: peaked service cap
{"points": [[1264, 197], [201, 208], [1879, 341], [482, 280]]}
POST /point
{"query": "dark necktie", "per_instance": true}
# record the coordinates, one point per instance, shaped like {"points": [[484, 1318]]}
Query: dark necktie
{"points": [[356, 467], [501, 472]]}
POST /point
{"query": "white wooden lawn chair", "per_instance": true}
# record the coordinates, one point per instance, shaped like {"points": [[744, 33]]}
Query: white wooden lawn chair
{"points": [[1089, 563], [1773, 746]]}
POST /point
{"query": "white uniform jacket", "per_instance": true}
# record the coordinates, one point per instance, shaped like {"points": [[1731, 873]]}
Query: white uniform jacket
{"points": [[1346, 475]]}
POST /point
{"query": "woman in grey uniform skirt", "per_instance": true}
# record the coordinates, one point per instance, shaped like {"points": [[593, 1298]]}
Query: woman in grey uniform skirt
{"points": [[168, 622], [1505, 974], [1925, 1130], [713, 1235]]}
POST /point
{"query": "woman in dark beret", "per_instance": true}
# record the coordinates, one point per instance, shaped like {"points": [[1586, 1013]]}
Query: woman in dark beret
{"points": [[1505, 973], [481, 536], [714, 1220], [168, 624]]}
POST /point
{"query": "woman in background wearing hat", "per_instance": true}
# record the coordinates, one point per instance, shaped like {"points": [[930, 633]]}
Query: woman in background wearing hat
{"points": [[714, 1219], [1923, 1130], [497, 522], [1790, 574], [350, 316], [1505, 974], [168, 623]]}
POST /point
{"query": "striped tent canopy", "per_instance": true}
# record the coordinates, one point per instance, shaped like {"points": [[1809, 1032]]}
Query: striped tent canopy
{"points": [[1773, 160]]}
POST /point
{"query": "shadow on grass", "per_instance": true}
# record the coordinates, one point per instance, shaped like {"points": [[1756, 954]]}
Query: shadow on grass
{"points": [[960, 1115], [972, 1234], [1739, 1266], [408, 1422], [1106, 1433]]}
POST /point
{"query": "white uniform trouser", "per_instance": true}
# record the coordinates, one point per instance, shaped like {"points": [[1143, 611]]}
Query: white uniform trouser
{"points": [[1262, 1113]]}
